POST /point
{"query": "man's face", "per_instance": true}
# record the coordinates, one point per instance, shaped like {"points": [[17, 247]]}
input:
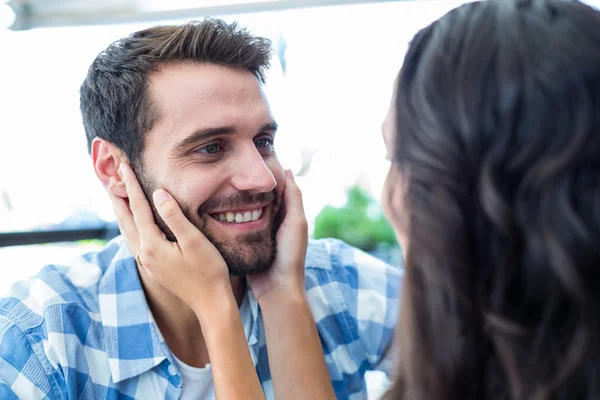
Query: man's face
{"points": [[212, 149]]}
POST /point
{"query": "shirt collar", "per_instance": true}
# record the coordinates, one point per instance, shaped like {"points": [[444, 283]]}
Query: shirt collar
{"points": [[254, 310], [133, 342]]}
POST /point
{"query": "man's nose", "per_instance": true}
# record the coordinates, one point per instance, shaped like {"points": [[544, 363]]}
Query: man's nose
{"points": [[250, 173]]}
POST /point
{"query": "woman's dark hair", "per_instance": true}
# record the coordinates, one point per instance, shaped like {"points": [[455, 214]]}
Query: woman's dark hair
{"points": [[498, 137]]}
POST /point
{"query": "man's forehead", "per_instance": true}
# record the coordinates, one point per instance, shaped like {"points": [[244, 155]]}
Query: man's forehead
{"points": [[178, 85], [189, 97]]}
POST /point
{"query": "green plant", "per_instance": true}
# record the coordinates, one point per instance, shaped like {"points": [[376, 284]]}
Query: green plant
{"points": [[360, 223], [92, 242]]}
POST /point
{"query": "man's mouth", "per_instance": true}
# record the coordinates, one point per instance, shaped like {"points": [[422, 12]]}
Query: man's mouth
{"points": [[238, 216]]}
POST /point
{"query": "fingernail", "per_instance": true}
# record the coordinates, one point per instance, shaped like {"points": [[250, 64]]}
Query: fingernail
{"points": [[160, 196], [121, 169]]}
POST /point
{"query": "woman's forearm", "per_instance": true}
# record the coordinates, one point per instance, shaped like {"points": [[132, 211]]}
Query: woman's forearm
{"points": [[234, 373], [296, 360]]}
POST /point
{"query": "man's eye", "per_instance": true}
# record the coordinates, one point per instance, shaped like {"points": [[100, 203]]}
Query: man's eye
{"points": [[264, 142], [210, 149]]}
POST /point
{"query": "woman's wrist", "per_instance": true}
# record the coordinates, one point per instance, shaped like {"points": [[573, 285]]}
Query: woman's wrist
{"points": [[211, 305], [283, 297]]}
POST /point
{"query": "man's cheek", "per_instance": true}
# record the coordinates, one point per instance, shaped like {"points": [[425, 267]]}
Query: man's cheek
{"points": [[196, 196], [276, 168]]}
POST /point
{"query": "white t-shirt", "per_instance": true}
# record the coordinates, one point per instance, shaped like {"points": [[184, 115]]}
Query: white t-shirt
{"points": [[197, 383]]}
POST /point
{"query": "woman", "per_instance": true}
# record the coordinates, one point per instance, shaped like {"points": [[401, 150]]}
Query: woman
{"points": [[494, 191]]}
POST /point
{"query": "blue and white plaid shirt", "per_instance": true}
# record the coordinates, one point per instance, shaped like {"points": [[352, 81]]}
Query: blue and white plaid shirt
{"points": [[85, 330]]}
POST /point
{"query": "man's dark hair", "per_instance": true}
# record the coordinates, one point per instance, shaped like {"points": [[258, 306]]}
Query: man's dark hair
{"points": [[497, 151], [115, 103]]}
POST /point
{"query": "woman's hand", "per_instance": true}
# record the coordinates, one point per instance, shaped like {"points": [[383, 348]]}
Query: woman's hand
{"points": [[191, 268], [287, 271], [298, 368]]}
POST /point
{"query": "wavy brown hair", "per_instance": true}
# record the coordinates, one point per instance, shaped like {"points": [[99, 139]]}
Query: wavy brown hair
{"points": [[498, 133]]}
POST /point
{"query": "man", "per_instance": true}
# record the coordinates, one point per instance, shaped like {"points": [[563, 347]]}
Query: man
{"points": [[184, 106]]}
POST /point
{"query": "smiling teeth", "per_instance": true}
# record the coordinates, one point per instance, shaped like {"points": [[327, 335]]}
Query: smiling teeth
{"points": [[239, 218]]}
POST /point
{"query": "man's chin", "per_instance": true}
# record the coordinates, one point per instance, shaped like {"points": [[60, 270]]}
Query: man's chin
{"points": [[244, 266], [248, 253], [245, 259]]}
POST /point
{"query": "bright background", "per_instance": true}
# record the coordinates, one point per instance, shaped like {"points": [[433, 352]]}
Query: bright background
{"points": [[341, 62], [340, 65]]}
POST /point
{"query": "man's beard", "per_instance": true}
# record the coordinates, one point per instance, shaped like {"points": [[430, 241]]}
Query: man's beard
{"points": [[250, 254]]}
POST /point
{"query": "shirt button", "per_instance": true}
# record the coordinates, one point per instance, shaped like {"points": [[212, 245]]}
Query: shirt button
{"points": [[172, 370]]}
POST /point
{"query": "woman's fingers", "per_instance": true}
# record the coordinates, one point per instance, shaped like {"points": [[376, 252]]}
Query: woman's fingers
{"points": [[125, 221], [294, 206], [186, 268], [151, 236], [187, 235], [293, 232]]}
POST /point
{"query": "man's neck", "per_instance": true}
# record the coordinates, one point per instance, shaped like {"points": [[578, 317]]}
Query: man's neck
{"points": [[177, 322]]}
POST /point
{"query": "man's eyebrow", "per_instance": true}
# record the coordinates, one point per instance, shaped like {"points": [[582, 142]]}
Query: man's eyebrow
{"points": [[203, 134], [269, 127]]}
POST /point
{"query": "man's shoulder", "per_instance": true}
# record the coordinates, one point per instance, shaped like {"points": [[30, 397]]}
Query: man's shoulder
{"points": [[335, 255], [335, 269], [353, 297], [28, 301]]}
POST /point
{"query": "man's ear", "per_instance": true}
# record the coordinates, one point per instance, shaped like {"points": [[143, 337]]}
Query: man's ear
{"points": [[106, 158]]}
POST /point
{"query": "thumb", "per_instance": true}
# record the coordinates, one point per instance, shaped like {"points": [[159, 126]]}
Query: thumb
{"points": [[293, 196], [171, 213]]}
